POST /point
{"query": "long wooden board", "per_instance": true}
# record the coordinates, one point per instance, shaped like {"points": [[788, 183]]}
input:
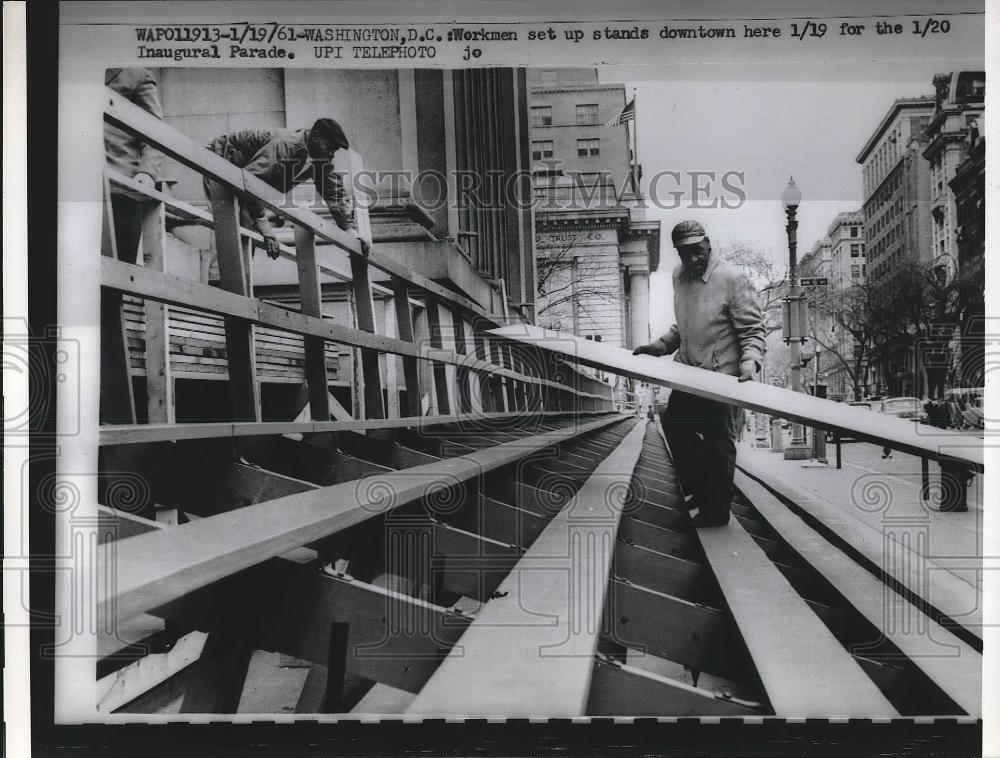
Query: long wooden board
{"points": [[155, 568], [530, 650], [803, 667], [899, 434], [954, 666]]}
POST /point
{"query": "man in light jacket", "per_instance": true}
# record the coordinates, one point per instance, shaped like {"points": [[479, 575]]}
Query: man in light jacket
{"points": [[720, 327]]}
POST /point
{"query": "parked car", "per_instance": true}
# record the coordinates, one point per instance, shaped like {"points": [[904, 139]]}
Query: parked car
{"points": [[903, 407]]}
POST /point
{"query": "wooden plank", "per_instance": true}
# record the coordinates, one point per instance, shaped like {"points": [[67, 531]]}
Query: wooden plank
{"points": [[365, 314], [529, 651], [130, 434], [158, 567], [899, 434], [805, 670], [948, 661], [312, 305], [159, 383], [235, 277], [393, 638], [117, 401], [691, 634], [404, 330], [622, 690], [440, 377]]}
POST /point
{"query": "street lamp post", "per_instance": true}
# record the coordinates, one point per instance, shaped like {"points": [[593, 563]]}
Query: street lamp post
{"points": [[793, 321], [819, 435]]}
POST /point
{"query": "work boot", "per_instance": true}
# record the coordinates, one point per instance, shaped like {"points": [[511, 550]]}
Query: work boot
{"points": [[703, 519]]}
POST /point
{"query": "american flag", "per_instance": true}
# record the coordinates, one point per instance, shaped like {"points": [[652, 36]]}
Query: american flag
{"points": [[627, 114]]}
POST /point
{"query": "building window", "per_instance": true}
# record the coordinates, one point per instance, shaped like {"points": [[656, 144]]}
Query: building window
{"points": [[855, 271], [586, 114], [541, 149], [588, 147], [541, 115], [855, 251], [854, 231]]}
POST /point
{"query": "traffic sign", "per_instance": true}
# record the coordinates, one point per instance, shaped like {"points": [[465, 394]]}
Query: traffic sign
{"points": [[814, 281]]}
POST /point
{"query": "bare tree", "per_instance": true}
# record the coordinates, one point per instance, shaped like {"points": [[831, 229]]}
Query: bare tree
{"points": [[568, 280], [767, 278]]}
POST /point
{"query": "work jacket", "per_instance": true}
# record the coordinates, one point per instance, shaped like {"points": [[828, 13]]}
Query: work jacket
{"points": [[719, 321], [279, 158], [127, 154]]}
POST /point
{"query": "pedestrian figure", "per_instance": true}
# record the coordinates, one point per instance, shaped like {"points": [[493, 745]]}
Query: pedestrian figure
{"points": [[130, 156], [720, 327]]}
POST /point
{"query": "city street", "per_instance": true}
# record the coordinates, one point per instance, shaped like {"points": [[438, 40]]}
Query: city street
{"points": [[901, 470]]}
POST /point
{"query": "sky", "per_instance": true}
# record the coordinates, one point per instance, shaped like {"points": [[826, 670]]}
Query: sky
{"points": [[755, 122]]}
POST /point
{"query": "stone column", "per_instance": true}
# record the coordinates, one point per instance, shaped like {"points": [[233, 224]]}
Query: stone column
{"points": [[639, 287]]}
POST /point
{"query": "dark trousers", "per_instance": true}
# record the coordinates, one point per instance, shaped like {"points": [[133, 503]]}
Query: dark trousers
{"points": [[128, 226], [702, 438]]}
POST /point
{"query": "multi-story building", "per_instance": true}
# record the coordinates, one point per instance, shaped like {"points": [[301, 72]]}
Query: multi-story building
{"points": [[838, 257], [897, 189], [959, 103], [595, 250], [969, 189], [896, 181]]}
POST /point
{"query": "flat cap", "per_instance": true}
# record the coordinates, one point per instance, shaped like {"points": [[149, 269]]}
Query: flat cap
{"points": [[687, 233]]}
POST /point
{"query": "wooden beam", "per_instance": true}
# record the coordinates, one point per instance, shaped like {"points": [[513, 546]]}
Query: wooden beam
{"points": [[159, 382], [404, 328], [158, 567], [948, 661], [622, 690], [127, 434], [365, 314], [393, 638], [899, 434], [312, 305], [530, 650], [235, 277], [664, 573], [803, 667], [691, 634], [117, 401]]}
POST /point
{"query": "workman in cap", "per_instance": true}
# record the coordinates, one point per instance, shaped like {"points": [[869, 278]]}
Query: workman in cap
{"points": [[719, 327], [284, 158]]}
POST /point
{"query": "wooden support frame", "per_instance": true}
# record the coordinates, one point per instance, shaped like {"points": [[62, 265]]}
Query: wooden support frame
{"points": [[234, 277], [622, 690], [117, 400], [364, 308], [948, 661], [159, 380], [815, 676], [157, 568], [171, 290], [530, 649], [312, 305]]}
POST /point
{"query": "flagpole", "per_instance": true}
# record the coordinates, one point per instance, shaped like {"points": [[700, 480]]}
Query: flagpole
{"points": [[635, 139]]}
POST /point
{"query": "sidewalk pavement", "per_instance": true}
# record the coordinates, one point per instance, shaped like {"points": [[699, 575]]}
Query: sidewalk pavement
{"points": [[937, 555]]}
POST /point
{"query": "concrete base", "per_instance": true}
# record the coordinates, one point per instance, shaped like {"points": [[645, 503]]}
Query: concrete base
{"points": [[801, 453]]}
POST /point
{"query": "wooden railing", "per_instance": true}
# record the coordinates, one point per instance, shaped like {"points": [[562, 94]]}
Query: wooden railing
{"points": [[482, 376]]}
